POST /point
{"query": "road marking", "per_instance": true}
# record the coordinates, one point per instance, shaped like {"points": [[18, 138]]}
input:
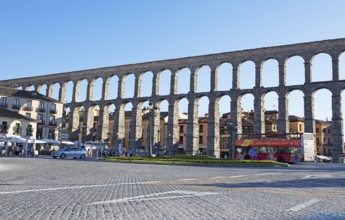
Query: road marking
{"points": [[181, 194], [182, 180], [75, 187], [304, 205]]}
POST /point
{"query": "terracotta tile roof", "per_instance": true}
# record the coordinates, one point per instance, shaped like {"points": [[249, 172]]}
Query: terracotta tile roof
{"points": [[6, 91], [12, 114]]}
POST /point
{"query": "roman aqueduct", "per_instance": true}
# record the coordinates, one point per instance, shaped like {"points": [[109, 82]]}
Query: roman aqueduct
{"points": [[334, 48]]}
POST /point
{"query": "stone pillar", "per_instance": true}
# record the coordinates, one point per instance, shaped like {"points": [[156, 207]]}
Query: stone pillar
{"points": [[121, 88], [173, 82], [283, 120], [214, 80], [90, 90], [73, 121], [236, 120], [307, 71], [235, 77], [136, 128], [192, 127], [282, 73], [173, 134], [309, 123], [259, 114], [137, 86], [155, 84], [105, 88], [193, 81], [156, 131], [50, 90], [103, 123], [119, 126], [337, 128], [335, 68], [62, 93], [76, 90], [88, 119], [38, 88], [258, 75], [213, 148]]}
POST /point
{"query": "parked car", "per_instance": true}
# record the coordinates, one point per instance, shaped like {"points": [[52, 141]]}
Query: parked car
{"points": [[70, 152], [322, 159]]}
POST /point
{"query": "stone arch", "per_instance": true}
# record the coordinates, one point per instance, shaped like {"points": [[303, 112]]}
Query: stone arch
{"points": [[43, 89], [146, 81], [247, 103], [82, 85], [270, 73], [203, 78], [67, 92], [129, 81], [56, 91], [164, 82], [271, 112], [113, 87], [97, 89], [247, 74], [183, 80], [224, 72], [321, 68], [296, 111], [295, 72], [30, 88], [342, 66]]}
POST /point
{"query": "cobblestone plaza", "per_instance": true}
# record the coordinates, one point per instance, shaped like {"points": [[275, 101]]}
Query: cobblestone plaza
{"points": [[45, 188]]}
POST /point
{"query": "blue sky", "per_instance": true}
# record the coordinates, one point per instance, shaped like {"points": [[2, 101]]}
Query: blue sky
{"points": [[43, 37]]}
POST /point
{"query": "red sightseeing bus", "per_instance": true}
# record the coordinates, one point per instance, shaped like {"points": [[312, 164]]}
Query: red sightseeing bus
{"points": [[286, 147]]}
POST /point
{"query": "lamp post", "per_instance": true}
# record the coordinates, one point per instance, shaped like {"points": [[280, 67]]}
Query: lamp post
{"points": [[233, 131]]}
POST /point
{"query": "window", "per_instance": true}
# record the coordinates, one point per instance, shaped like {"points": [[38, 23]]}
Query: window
{"points": [[4, 127], [329, 141], [53, 108], [16, 104], [40, 118], [181, 128], [329, 130], [318, 141], [3, 102], [16, 128], [317, 130], [300, 127], [200, 140], [41, 107], [52, 120], [29, 130], [28, 115], [201, 128], [181, 139], [28, 105]]}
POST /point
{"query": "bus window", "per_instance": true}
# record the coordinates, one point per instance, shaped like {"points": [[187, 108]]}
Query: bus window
{"points": [[263, 150]]}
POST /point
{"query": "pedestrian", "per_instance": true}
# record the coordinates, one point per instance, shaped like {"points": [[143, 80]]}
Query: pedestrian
{"points": [[17, 150], [32, 151]]}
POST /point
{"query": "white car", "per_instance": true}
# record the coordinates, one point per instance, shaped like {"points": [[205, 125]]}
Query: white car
{"points": [[322, 159], [70, 152]]}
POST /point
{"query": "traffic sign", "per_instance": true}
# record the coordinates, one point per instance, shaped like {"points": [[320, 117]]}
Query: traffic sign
{"points": [[252, 152]]}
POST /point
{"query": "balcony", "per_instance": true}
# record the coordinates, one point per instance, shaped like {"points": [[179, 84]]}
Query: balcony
{"points": [[41, 109], [27, 108], [41, 122], [52, 123], [17, 107], [52, 111], [3, 105]]}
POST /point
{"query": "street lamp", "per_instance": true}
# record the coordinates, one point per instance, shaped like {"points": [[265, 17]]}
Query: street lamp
{"points": [[233, 131]]}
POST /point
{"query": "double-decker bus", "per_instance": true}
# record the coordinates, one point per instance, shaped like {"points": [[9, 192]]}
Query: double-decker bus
{"points": [[282, 147]]}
